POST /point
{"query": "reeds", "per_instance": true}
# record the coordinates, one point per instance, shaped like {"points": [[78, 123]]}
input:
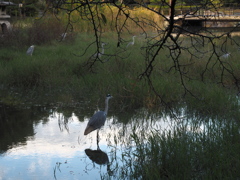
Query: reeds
{"points": [[192, 149], [64, 65]]}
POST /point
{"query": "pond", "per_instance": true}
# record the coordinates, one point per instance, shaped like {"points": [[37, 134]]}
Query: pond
{"points": [[47, 142]]}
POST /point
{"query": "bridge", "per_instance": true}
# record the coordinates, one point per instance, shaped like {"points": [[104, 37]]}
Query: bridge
{"points": [[194, 23]]}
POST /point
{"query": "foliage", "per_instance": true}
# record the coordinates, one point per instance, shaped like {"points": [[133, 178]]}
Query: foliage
{"points": [[68, 65], [34, 32], [188, 154], [63, 68], [163, 36]]}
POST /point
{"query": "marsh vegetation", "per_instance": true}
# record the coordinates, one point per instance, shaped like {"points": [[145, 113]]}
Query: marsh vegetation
{"points": [[199, 100]]}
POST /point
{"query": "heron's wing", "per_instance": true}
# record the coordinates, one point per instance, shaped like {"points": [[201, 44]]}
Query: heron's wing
{"points": [[96, 121], [129, 44], [30, 50]]}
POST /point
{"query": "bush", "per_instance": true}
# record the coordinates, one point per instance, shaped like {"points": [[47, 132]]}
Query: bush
{"points": [[34, 32]]}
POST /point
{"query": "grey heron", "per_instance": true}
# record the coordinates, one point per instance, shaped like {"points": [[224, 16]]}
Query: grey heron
{"points": [[131, 43], [30, 50], [100, 53], [98, 119]]}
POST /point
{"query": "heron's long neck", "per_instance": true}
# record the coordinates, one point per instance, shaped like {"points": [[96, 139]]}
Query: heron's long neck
{"points": [[106, 106], [102, 49], [133, 38]]}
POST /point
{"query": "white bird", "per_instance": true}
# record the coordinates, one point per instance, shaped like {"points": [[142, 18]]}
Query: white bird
{"points": [[100, 53], [98, 119], [226, 55], [131, 43], [63, 36], [30, 50]]}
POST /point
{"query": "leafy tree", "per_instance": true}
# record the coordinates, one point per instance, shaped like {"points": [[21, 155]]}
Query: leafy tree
{"points": [[169, 37]]}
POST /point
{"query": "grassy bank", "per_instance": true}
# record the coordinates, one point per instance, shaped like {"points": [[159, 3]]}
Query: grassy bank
{"points": [[63, 72], [64, 68]]}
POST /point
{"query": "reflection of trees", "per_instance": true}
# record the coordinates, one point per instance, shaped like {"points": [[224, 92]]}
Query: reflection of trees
{"points": [[62, 121], [16, 125]]}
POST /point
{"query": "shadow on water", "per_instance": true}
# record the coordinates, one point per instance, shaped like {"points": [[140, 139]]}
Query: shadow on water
{"points": [[48, 143]]}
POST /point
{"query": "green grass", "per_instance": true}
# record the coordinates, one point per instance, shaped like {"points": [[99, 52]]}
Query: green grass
{"points": [[59, 72], [65, 66], [193, 149], [189, 157], [62, 65]]}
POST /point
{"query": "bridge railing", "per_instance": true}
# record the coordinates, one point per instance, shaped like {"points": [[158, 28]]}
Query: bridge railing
{"points": [[228, 9]]}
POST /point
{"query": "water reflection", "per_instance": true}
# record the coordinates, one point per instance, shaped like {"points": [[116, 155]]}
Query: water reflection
{"points": [[40, 142], [101, 158], [48, 143], [97, 156]]}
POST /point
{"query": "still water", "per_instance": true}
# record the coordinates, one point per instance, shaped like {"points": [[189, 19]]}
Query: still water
{"points": [[47, 143]]}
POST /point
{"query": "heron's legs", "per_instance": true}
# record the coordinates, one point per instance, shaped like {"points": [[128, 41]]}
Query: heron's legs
{"points": [[110, 172], [97, 138]]}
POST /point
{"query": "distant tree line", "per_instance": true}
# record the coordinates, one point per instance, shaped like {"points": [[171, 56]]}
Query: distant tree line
{"points": [[31, 7], [192, 2], [213, 1]]}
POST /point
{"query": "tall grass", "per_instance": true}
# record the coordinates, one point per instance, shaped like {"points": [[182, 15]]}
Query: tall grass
{"points": [[193, 148], [29, 31], [61, 66], [177, 155], [111, 14]]}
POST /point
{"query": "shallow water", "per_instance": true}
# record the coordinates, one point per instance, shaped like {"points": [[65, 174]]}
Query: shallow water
{"points": [[47, 143], [41, 142]]}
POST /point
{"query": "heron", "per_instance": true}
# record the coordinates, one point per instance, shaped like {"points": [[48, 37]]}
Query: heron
{"points": [[99, 54], [63, 36], [226, 55], [131, 43], [98, 119], [30, 50]]}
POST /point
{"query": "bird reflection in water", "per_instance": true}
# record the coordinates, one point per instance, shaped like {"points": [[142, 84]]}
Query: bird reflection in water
{"points": [[99, 157]]}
